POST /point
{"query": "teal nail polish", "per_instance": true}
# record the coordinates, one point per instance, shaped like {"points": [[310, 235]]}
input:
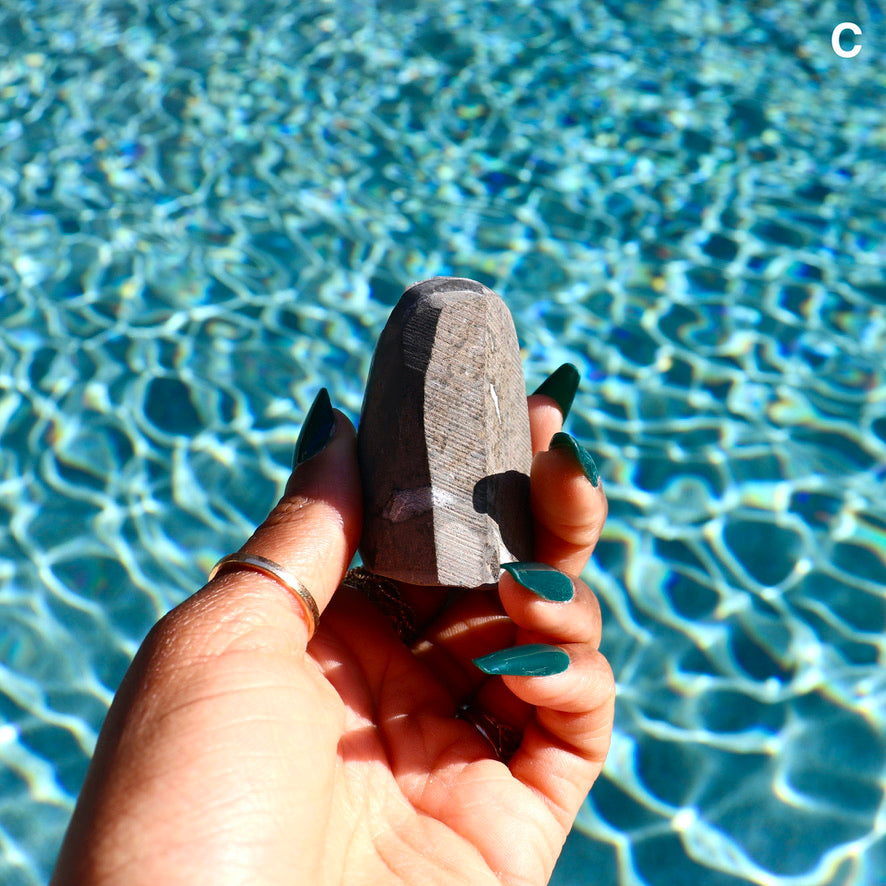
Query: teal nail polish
{"points": [[582, 456], [543, 580], [317, 430], [533, 660], [561, 387]]}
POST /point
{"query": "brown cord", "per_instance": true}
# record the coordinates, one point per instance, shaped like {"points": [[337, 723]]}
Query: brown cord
{"points": [[504, 739], [385, 594]]}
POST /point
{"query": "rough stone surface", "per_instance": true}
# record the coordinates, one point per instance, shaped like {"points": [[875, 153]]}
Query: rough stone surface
{"points": [[443, 440]]}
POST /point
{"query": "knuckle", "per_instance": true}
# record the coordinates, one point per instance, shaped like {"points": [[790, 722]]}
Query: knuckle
{"points": [[606, 684], [597, 680], [289, 507]]}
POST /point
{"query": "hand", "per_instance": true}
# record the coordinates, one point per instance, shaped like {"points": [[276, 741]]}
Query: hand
{"points": [[234, 754]]}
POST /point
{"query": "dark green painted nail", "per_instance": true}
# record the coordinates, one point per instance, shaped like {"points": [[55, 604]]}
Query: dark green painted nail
{"points": [[317, 430], [543, 580], [532, 660], [581, 455], [561, 387]]}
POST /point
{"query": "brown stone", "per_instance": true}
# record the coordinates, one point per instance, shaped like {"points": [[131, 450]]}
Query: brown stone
{"points": [[443, 440]]}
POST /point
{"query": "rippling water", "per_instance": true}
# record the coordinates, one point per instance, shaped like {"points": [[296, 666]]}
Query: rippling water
{"points": [[207, 211]]}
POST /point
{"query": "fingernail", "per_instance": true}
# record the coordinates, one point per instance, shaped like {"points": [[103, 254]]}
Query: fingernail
{"points": [[568, 443], [561, 387], [532, 660], [543, 580], [317, 430]]}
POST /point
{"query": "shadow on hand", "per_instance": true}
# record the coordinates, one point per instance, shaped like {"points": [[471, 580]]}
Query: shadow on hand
{"points": [[504, 498]]}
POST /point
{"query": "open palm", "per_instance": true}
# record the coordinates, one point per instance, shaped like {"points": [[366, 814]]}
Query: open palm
{"points": [[229, 756]]}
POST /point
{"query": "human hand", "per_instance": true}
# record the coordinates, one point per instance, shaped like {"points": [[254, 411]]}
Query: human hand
{"points": [[237, 752]]}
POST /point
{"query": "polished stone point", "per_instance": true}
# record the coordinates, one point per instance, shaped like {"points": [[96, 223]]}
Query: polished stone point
{"points": [[443, 440]]}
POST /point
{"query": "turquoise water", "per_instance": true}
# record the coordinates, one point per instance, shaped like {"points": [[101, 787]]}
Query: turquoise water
{"points": [[207, 211]]}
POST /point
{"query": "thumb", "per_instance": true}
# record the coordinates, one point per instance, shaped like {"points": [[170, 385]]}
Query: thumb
{"points": [[313, 531]]}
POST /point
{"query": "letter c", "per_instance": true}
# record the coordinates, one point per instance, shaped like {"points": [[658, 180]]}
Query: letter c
{"points": [[835, 39]]}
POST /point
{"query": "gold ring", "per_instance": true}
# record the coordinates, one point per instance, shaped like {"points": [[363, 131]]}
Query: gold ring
{"points": [[279, 574]]}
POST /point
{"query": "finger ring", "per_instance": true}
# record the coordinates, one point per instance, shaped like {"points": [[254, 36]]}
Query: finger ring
{"points": [[504, 739], [386, 596], [279, 574]]}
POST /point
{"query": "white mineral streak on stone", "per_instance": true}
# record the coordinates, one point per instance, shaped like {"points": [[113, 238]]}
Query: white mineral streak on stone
{"points": [[495, 401]]}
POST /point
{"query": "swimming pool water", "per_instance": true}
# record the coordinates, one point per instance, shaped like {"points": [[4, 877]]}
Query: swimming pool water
{"points": [[207, 211]]}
